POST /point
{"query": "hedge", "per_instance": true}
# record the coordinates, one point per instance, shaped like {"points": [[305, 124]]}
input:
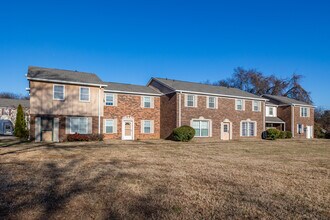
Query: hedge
{"points": [[85, 137], [184, 133]]}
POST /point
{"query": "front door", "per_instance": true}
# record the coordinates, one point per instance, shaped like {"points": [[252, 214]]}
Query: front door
{"points": [[128, 132], [225, 131], [308, 132], [47, 129]]}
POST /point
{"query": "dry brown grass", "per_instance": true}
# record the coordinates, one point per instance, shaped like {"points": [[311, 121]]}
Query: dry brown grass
{"points": [[165, 180]]}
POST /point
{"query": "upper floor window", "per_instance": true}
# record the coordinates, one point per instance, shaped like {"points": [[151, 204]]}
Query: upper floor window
{"points": [[110, 99], [271, 111], [211, 102], [191, 101], [58, 92], [256, 106], [84, 94], [147, 102], [239, 104], [304, 112], [248, 128]]}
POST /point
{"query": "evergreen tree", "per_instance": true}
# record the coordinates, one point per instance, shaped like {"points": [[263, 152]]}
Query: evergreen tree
{"points": [[20, 124]]}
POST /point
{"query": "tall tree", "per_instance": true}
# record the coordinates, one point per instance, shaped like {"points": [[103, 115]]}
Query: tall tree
{"points": [[20, 124], [257, 83]]}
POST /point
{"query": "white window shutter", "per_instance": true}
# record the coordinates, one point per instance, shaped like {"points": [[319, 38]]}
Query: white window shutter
{"points": [[90, 125], [56, 129], [302, 129], [115, 126], [207, 101], [115, 98], [195, 100], [37, 131], [142, 98], [243, 104], [152, 130], [185, 100], [104, 127], [308, 112], [67, 125], [152, 105], [142, 126], [216, 102]]}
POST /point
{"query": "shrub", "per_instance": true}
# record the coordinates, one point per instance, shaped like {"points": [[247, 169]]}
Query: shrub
{"points": [[327, 135], [288, 134], [282, 135], [21, 130], [273, 134], [85, 137], [184, 133]]}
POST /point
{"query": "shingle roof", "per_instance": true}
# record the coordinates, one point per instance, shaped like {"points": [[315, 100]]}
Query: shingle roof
{"points": [[280, 100], [204, 88], [274, 120], [63, 75], [130, 88], [14, 102]]}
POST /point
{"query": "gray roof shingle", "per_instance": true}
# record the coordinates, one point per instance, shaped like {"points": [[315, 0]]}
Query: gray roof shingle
{"points": [[130, 88], [14, 103], [63, 75], [280, 100], [204, 88], [274, 120]]}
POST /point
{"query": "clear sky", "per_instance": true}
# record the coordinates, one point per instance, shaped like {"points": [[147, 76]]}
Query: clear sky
{"points": [[130, 41]]}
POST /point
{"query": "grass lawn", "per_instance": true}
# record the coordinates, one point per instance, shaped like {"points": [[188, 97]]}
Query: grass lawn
{"points": [[285, 179]]}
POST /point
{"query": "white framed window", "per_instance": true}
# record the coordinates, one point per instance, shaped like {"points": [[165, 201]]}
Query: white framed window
{"points": [[79, 125], [84, 94], [58, 92], [202, 128], [147, 102], [256, 106], [300, 128], [110, 126], [271, 111], [147, 126], [248, 128], [304, 112], [191, 100], [211, 102], [239, 104], [110, 99]]}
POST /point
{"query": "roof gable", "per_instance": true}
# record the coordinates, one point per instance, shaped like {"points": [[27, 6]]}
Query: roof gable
{"points": [[129, 88], [282, 100]]}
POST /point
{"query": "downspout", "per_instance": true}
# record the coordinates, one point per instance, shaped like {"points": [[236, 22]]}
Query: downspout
{"points": [[180, 94], [99, 112], [264, 116], [292, 120]]}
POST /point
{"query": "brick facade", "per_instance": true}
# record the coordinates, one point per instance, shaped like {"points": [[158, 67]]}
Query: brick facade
{"points": [[168, 114], [226, 110], [130, 105]]}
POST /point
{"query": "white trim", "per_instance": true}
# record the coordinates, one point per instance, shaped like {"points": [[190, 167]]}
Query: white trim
{"points": [[151, 126], [151, 101], [114, 99], [208, 102], [89, 94], [195, 97], [243, 105], [209, 128], [136, 93], [131, 120], [248, 128], [65, 82], [230, 129], [87, 128], [54, 92], [292, 120], [259, 105], [180, 107], [114, 127], [307, 112]]}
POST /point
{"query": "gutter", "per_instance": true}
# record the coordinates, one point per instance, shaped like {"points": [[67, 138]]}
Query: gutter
{"points": [[65, 82], [99, 112], [137, 93]]}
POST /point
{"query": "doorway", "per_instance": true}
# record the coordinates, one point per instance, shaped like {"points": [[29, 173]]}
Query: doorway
{"points": [[226, 130], [128, 129]]}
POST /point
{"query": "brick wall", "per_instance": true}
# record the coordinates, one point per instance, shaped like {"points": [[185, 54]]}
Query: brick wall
{"points": [[226, 110], [130, 105], [284, 113], [168, 114], [306, 121]]}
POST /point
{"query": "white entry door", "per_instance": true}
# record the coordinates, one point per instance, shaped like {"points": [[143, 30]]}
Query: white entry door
{"points": [[309, 131], [225, 131], [128, 130]]}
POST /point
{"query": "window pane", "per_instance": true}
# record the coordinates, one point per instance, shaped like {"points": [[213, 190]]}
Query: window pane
{"points": [[109, 100], [211, 102], [190, 100], [147, 102], [244, 129], [204, 128], [256, 106], [84, 94], [58, 92], [147, 127], [239, 104], [251, 129]]}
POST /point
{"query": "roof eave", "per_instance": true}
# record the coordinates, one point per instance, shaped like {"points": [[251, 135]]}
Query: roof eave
{"points": [[130, 92], [66, 82]]}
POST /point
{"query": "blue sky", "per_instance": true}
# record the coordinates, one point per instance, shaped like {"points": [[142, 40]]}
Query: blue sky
{"points": [[130, 41]]}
